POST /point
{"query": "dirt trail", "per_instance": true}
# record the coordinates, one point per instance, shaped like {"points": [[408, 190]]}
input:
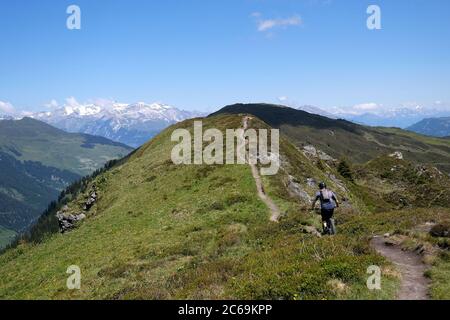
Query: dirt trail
{"points": [[274, 210], [414, 285]]}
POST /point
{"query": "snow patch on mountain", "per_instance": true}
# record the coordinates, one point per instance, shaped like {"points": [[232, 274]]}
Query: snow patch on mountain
{"points": [[132, 124]]}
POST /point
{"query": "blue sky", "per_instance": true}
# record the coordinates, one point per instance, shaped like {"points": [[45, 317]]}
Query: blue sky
{"points": [[204, 54]]}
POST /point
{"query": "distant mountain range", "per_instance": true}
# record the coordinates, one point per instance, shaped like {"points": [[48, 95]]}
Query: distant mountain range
{"points": [[36, 162], [134, 124], [401, 118], [379, 116], [131, 124], [437, 127]]}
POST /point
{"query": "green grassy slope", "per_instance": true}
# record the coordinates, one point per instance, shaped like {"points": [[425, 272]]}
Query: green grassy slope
{"points": [[387, 183], [37, 161], [161, 231], [340, 138], [6, 236], [32, 140]]}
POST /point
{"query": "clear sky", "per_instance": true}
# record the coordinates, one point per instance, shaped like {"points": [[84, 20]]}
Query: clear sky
{"points": [[204, 54]]}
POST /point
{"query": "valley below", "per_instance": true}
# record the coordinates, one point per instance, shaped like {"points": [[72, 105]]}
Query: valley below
{"points": [[37, 162]]}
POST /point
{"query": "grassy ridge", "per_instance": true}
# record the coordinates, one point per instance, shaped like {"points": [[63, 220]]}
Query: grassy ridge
{"points": [[166, 231], [340, 138], [161, 231]]}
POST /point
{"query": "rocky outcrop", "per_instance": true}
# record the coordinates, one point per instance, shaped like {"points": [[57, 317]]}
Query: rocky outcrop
{"points": [[311, 182], [295, 190], [313, 152], [397, 155], [68, 220], [91, 200], [338, 183], [310, 230], [428, 171]]}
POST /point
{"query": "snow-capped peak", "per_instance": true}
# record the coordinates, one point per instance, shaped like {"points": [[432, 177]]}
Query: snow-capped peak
{"points": [[132, 124], [82, 110]]}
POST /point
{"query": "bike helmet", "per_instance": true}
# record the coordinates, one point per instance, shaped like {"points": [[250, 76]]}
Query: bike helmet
{"points": [[322, 186]]}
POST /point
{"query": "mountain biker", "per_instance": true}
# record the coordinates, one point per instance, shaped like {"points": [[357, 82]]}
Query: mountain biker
{"points": [[328, 202]]}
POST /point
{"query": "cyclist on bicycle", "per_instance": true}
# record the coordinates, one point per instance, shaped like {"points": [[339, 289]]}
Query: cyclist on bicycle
{"points": [[328, 202]]}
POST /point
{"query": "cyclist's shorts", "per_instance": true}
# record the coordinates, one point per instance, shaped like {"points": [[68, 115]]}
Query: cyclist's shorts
{"points": [[327, 214]]}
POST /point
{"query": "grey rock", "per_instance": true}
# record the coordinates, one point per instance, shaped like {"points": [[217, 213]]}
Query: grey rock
{"points": [[311, 230], [311, 182], [295, 189], [68, 221], [313, 152], [397, 155], [91, 200], [338, 183]]}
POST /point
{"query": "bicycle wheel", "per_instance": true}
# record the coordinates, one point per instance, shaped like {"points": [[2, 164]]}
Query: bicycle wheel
{"points": [[332, 227]]}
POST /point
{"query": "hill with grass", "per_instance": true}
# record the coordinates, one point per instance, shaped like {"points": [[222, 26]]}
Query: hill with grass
{"points": [[156, 230], [37, 161], [341, 138]]}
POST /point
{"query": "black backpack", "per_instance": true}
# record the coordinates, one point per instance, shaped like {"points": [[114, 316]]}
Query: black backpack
{"points": [[326, 195]]}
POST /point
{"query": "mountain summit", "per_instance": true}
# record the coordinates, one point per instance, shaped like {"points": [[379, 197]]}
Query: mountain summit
{"points": [[131, 124]]}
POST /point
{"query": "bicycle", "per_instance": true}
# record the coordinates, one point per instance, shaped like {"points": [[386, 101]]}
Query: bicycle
{"points": [[328, 225]]}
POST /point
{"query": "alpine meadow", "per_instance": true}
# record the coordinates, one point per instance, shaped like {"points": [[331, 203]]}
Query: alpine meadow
{"points": [[165, 231], [224, 159]]}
